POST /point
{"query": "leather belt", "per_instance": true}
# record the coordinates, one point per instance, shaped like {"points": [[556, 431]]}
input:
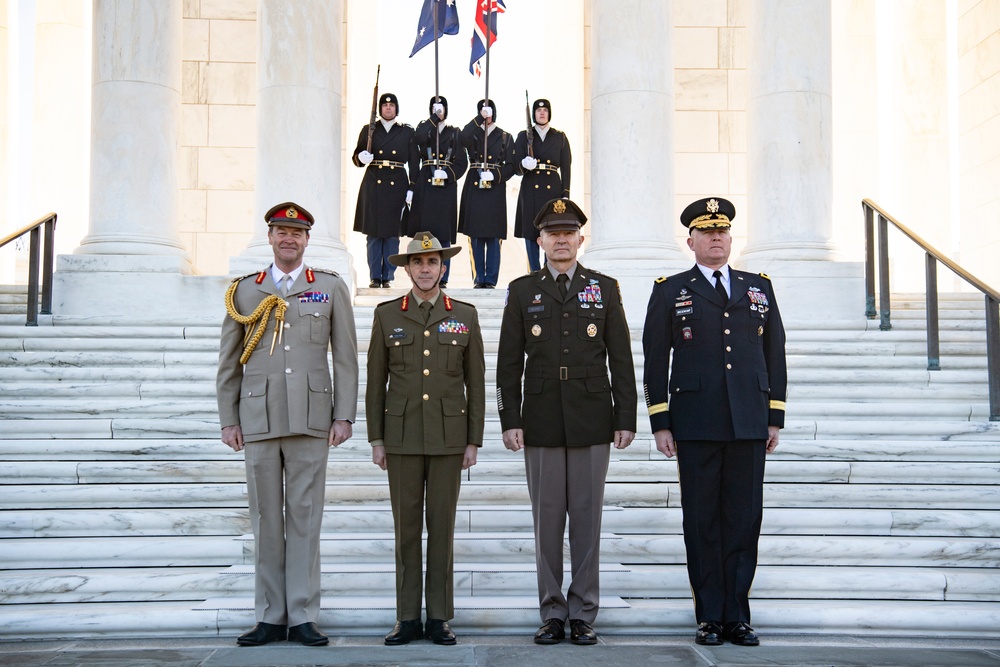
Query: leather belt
{"points": [[547, 167], [484, 165], [567, 372], [387, 163]]}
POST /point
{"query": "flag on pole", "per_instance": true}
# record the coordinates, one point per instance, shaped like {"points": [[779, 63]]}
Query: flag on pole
{"points": [[486, 10], [447, 22]]}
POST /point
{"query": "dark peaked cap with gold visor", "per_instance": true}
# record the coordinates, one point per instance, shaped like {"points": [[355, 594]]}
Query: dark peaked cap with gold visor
{"points": [[711, 213]]}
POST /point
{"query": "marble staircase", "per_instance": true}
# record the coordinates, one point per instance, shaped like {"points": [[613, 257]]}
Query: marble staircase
{"points": [[122, 514]]}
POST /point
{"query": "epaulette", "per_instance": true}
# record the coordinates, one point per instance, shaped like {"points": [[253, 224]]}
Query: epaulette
{"points": [[259, 274], [520, 278], [764, 276], [598, 273], [464, 303], [661, 279], [327, 271]]}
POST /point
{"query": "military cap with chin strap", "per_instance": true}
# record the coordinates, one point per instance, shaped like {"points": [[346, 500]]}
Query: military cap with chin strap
{"points": [[560, 214], [711, 213], [289, 214]]}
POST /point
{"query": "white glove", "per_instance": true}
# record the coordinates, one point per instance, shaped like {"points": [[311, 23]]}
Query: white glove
{"points": [[365, 158], [438, 109], [529, 162], [440, 173], [409, 197], [487, 112], [486, 175]]}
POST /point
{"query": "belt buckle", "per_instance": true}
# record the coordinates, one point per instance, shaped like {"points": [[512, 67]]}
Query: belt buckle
{"points": [[563, 373], [485, 185], [437, 182]]}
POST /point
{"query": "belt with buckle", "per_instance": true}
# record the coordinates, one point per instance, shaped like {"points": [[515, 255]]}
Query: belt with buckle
{"points": [[387, 163], [567, 372], [482, 166], [436, 163], [547, 167]]}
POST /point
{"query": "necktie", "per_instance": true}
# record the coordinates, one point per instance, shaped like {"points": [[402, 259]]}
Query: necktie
{"points": [[562, 280], [719, 287], [284, 284], [425, 309]]}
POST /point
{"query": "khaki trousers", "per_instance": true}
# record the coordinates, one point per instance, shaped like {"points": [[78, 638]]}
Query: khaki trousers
{"points": [[567, 481], [286, 483], [409, 477]]}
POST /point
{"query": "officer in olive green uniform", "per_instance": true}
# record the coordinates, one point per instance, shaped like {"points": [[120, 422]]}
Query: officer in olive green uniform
{"points": [[425, 406], [564, 329]]}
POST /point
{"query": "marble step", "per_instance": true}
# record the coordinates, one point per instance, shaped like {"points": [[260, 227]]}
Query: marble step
{"points": [[235, 584], [626, 494], [794, 445], [924, 522], [498, 547], [363, 471], [913, 618]]}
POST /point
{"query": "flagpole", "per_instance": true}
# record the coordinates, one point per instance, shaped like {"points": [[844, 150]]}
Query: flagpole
{"points": [[437, 95], [486, 134]]}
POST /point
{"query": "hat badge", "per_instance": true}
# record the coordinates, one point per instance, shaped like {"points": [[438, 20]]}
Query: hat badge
{"points": [[559, 207], [425, 242], [713, 206]]}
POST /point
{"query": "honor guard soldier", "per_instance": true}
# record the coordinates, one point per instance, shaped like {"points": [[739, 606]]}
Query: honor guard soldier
{"points": [[563, 330], [544, 164], [717, 407], [279, 404], [483, 214], [426, 406], [383, 150], [437, 161]]}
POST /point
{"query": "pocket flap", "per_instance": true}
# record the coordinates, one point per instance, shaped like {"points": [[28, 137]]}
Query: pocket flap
{"points": [[598, 384], [395, 404], [533, 385], [254, 385], [762, 382], [453, 406], [680, 382], [319, 381]]}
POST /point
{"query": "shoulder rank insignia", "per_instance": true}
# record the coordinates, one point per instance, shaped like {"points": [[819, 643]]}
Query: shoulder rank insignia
{"points": [[764, 276], [660, 280]]}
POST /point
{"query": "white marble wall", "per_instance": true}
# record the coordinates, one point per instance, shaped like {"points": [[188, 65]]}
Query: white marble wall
{"points": [[979, 137]]}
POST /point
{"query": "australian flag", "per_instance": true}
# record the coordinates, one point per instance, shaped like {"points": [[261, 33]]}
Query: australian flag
{"points": [[486, 11], [447, 22]]}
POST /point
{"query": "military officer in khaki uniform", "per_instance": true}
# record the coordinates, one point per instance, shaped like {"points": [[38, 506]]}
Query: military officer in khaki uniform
{"points": [[279, 403], [425, 407], [563, 329]]}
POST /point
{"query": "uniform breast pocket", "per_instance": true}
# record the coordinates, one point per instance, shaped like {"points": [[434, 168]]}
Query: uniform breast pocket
{"points": [[537, 326], [452, 351], [316, 323], [686, 327], [400, 350], [590, 324], [758, 325]]}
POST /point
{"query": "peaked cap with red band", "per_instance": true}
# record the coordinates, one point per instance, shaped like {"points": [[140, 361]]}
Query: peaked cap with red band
{"points": [[289, 215]]}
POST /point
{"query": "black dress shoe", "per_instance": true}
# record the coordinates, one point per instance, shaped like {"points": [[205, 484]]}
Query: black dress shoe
{"points": [[263, 633], [404, 632], [439, 632], [741, 634], [581, 633], [375, 284], [552, 632], [709, 634], [308, 634]]}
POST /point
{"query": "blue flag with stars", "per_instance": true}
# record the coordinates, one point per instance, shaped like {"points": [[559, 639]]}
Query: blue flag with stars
{"points": [[447, 22]]}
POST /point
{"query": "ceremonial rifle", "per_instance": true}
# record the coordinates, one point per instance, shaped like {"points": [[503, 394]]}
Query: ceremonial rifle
{"points": [[528, 134], [371, 123]]}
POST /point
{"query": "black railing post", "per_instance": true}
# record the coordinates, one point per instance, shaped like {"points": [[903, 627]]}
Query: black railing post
{"points": [[993, 354], [933, 327], [34, 250], [883, 274], [47, 264], [870, 312]]}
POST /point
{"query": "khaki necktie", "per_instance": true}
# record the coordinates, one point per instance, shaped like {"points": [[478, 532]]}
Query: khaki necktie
{"points": [[425, 308], [285, 284]]}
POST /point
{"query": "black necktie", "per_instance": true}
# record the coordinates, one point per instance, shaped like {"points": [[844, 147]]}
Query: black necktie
{"points": [[562, 280], [425, 308], [719, 287]]}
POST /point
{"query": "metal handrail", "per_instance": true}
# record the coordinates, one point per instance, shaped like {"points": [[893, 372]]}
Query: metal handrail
{"points": [[47, 222], [932, 257]]}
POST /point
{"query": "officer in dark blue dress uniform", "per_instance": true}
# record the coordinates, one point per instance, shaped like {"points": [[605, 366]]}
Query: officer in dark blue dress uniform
{"points": [[717, 406]]}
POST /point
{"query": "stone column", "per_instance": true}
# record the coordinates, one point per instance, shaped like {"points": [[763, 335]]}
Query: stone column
{"points": [[136, 99], [299, 106], [790, 160], [59, 120], [632, 147]]}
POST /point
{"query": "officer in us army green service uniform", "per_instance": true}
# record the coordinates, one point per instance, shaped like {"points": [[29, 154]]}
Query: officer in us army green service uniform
{"points": [[425, 407]]}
